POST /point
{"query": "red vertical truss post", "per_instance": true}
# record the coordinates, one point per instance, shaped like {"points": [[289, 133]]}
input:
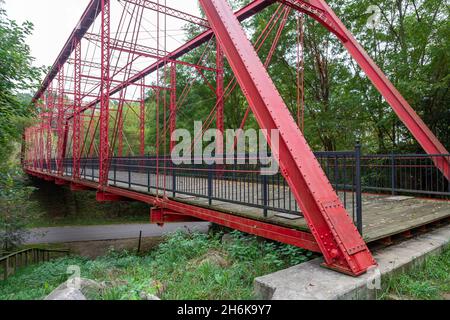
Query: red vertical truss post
{"points": [[104, 93], [23, 148], [92, 131], [28, 147], [76, 131], [173, 103], [36, 147], [219, 94], [120, 122], [50, 107], [32, 148], [41, 124], [60, 122], [39, 147], [342, 246], [36, 152], [82, 133], [319, 10], [142, 120]]}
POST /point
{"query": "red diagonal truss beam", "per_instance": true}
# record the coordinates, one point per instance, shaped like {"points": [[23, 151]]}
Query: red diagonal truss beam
{"points": [[341, 244]]}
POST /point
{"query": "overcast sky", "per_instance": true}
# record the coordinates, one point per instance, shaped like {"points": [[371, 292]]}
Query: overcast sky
{"points": [[54, 20]]}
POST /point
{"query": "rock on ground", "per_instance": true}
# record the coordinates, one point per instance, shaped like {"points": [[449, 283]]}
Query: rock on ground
{"points": [[69, 291]]}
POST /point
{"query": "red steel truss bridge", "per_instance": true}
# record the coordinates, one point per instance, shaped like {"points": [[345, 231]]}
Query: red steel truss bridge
{"points": [[121, 58]]}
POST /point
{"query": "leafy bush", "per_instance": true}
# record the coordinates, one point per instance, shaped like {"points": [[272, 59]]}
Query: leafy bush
{"points": [[15, 207], [184, 266]]}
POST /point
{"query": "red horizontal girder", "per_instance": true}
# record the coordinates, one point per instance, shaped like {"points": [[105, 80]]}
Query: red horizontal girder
{"points": [[126, 46]]}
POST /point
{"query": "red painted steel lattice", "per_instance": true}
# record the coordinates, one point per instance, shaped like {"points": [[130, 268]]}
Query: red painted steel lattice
{"points": [[111, 62]]}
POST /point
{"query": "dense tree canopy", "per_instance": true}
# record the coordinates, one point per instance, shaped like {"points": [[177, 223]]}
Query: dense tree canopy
{"points": [[410, 43], [17, 75]]}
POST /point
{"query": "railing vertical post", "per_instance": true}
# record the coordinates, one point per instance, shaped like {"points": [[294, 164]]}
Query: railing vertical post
{"points": [[148, 175], [129, 174], [174, 180], [358, 188], [265, 194], [115, 171], [210, 186], [393, 176]]}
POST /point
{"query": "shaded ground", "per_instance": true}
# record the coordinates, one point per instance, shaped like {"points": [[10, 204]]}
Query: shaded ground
{"points": [[94, 249], [108, 232], [59, 206]]}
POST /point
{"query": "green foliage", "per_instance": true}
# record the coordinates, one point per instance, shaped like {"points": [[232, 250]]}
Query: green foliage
{"points": [[35, 282], [184, 266], [15, 207], [410, 44], [16, 76], [427, 282]]}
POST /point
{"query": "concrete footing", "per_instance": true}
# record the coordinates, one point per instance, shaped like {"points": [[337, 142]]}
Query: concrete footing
{"points": [[310, 281]]}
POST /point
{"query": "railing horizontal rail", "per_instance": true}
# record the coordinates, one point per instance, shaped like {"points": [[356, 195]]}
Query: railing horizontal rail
{"points": [[12, 261]]}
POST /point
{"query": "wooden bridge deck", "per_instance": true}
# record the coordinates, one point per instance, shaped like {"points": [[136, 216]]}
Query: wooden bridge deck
{"points": [[383, 215]]}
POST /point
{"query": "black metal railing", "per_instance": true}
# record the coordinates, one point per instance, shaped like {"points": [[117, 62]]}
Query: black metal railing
{"points": [[351, 173], [10, 263], [240, 183], [405, 174]]}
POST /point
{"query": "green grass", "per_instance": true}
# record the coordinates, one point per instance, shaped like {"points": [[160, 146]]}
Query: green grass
{"points": [[187, 266], [430, 281]]}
